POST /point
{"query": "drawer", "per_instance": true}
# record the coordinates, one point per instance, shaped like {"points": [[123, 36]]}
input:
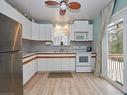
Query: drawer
{"points": [[83, 69]]}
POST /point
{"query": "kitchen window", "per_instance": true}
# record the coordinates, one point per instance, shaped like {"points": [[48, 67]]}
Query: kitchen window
{"points": [[61, 35]]}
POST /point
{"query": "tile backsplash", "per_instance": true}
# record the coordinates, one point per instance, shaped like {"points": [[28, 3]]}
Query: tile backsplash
{"points": [[33, 46]]}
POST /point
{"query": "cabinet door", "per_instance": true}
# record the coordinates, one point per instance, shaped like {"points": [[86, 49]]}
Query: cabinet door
{"points": [[49, 64], [85, 26], [42, 64], [68, 64], [71, 30], [42, 32], [49, 32], [90, 32], [46, 31], [54, 64], [29, 70], [81, 25], [27, 29], [78, 26], [71, 64], [65, 64], [35, 31]]}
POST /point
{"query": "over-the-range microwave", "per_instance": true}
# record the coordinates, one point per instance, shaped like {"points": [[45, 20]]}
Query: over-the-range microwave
{"points": [[80, 36]]}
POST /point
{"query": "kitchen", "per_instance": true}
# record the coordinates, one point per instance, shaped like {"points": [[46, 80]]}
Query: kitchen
{"points": [[56, 55], [59, 58]]}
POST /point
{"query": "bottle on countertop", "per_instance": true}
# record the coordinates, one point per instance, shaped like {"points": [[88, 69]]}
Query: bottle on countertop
{"points": [[89, 48]]}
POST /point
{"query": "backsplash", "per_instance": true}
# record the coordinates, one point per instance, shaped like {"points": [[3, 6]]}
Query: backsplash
{"points": [[26, 45], [33, 46]]}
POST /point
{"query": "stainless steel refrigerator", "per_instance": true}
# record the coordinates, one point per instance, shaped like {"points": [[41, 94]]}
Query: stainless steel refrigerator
{"points": [[11, 76]]}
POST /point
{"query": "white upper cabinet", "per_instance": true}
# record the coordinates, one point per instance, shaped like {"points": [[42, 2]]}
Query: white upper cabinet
{"points": [[35, 31], [46, 31], [71, 30], [27, 29], [81, 26], [84, 29], [42, 32], [90, 32]]}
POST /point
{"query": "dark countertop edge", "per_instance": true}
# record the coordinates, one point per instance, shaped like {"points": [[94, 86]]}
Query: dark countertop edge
{"points": [[32, 54]]}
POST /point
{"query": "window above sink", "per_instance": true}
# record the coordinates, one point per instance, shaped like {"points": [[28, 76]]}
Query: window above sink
{"points": [[61, 35]]}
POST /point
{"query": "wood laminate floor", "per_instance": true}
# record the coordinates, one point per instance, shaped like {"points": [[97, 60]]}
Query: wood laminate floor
{"points": [[80, 84]]}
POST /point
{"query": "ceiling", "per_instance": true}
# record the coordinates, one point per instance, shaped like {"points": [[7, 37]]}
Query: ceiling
{"points": [[37, 9]]}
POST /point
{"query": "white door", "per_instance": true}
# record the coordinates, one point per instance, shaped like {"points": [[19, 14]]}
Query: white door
{"points": [[117, 53], [115, 63]]}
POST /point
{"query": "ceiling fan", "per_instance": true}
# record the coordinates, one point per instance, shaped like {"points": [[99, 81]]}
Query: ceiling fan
{"points": [[63, 5]]}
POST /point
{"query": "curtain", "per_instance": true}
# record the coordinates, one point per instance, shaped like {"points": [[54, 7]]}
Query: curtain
{"points": [[105, 16]]}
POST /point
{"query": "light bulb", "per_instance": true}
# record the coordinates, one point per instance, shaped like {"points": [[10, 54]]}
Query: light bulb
{"points": [[63, 6]]}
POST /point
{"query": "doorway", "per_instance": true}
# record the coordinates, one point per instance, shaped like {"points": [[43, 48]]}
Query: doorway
{"points": [[115, 63]]}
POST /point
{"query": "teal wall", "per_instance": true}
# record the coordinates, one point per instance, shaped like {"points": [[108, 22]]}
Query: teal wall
{"points": [[96, 30], [119, 5], [96, 22]]}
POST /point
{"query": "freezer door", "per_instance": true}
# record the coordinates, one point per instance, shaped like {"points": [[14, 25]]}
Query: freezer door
{"points": [[11, 76], [10, 34]]}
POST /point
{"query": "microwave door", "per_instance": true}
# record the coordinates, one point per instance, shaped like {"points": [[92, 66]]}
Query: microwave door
{"points": [[81, 36]]}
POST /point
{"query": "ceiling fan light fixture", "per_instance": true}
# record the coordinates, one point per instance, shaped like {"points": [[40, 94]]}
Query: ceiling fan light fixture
{"points": [[63, 6]]}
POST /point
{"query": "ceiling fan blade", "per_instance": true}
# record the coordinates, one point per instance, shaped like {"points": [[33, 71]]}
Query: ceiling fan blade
{"points": [[62, 12], [52, 3], [74, 5]]}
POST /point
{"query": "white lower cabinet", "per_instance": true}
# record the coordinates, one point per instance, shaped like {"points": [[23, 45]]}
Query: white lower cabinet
{"points": [[56, 64], [29, 70], [48, 64], [68, 64]]}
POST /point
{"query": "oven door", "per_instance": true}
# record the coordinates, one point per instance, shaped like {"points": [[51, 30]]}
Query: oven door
{"points": [[83, 59]]}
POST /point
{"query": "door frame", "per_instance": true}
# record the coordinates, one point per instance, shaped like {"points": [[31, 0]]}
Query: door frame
{"points": [[121, 14]]}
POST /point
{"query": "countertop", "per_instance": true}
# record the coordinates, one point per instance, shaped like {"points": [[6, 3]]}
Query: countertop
{"points": [[27, 54]]}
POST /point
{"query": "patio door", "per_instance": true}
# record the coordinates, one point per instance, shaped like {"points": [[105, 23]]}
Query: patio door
{"points": [[115, 62]]}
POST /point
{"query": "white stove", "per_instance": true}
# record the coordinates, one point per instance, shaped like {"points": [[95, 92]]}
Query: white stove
{"points": [[83, 59]]}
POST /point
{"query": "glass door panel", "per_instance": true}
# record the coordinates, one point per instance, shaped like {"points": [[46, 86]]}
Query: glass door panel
{"points": [[115, 64]]}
